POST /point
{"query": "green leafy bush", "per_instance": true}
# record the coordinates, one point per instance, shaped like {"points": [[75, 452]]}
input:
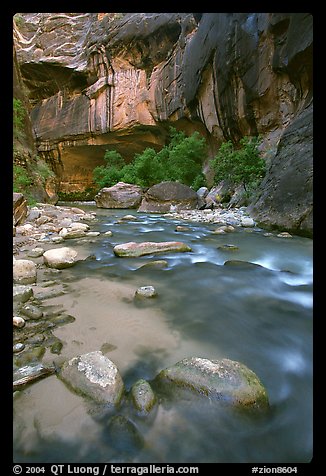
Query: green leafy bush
{"points": [[19, 20], [43, 170], [240, 166], [21, 179], [26, 179], [18, 115], [181, 160], [109, 174]]}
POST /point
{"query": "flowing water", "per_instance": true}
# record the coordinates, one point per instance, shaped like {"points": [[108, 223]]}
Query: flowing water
{"points": [[258, 315]]}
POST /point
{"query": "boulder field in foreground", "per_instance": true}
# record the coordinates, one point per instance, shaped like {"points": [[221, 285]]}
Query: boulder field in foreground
{"points": [[228, 381], [134, 250]]}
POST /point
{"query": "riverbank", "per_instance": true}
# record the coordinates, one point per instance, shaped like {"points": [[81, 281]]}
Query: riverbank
{"points": [[238, 295]]}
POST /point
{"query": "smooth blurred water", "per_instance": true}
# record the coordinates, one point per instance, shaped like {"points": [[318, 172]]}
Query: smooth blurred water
{"points": [[258, 315]]}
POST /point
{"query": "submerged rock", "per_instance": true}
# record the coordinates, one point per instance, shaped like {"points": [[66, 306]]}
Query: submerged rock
{"points": [[30, 373], [94, 376], [242, 264], [143, 396], [22, 293], [56, 347], [124, 435], [182, 228], [35, 253], [60, 258], [228, 247], [134, 250], [32, 312], [157, 264], [225, 380], [128, 218], [30, 355], [223, 229]]}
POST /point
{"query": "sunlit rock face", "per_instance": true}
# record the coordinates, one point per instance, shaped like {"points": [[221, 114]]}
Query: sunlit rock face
{"points": [[90, 84], [117, 81]]}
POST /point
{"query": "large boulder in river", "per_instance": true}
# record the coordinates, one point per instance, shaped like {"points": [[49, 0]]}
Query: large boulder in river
{"points": [[225, 380], [167, 196], [134, 250], [20, 209], [24, 271], [121, 195], [60, 258], [94, 376]]}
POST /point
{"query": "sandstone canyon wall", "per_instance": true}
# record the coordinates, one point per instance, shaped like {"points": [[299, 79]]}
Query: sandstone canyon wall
{"points": [[117, 81]]}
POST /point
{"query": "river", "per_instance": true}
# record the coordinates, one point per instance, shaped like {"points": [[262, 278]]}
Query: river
{"points": [[258, 315]]}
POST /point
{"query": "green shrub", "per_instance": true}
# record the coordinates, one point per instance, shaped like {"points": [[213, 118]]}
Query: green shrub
{"points": [[21, 179], [43, 170], [148, 168], [18, 115], [109, 174], [19, 20], [240, 166], [27, 179], [181, 160]]}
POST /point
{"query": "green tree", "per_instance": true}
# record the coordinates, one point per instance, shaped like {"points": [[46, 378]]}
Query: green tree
{"points": [[113, 159], [186, 155], [109, 174], [148, 168], [240, 166], [181, 160]]}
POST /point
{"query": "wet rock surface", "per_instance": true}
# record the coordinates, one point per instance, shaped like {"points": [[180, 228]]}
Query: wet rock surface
{"points": [[223, 380], [145, 292], [94, 376], [143, 396], [30, 373], [133, 250]]}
